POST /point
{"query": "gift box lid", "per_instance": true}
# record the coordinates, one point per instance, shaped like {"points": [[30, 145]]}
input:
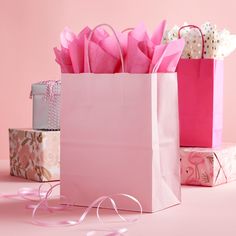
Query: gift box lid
{"points": [[50, 87], [213, 149]]}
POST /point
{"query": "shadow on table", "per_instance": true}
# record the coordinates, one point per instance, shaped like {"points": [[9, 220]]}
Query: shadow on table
{"points": [[194, 187], [5, 174], [6, 177]]}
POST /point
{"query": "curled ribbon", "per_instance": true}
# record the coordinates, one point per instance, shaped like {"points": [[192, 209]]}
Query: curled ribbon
{"points": [[41, 198]]}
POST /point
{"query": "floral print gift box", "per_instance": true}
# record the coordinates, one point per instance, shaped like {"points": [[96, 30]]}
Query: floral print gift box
{"points": [[35, 155], [208, 166]]}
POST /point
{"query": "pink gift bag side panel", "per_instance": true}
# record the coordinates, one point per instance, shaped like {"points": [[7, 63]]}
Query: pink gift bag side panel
{"points": [[168, 132], [111, 153], [218, 103], [109, 141]]}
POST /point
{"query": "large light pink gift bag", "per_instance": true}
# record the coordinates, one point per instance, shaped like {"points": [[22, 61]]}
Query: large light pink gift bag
{"points": [[200, 83], [119, 134]]}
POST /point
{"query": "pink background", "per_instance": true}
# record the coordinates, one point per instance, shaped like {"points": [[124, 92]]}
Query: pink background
{"points": [[31, 28]]}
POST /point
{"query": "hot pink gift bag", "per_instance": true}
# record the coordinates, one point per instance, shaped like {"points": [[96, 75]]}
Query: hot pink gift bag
{"points": [[119, 134], [200, 88]]}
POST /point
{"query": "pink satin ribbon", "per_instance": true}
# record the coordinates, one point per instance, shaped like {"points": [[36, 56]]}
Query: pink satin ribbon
{"points": [[41, 198]]}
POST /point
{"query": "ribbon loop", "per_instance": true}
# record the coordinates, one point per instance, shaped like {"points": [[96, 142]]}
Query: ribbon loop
{"points": [[41, 197]]}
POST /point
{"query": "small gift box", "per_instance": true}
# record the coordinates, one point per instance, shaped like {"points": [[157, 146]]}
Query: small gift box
{"points": [[35, 155], [208, 166], [46, 105]]}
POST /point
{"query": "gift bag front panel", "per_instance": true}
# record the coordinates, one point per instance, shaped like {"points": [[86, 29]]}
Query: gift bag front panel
{"points": [[106, 139], [196, 92]]}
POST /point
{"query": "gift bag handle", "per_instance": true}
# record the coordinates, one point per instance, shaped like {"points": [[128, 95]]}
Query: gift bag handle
{"points": [[195, 27], [118, 43], [127, 29]]}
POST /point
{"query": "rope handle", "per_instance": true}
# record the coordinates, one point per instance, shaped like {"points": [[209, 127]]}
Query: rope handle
{"points": [[191, 27], [118, 43]]}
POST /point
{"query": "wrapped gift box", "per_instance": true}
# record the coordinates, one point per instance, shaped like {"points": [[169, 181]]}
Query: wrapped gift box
{"points": [[208, 166], [35, 155], [46, 105]]}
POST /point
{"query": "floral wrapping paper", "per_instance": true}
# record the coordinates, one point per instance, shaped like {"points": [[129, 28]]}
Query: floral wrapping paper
{"points": [[208, 166], [35, 155]]}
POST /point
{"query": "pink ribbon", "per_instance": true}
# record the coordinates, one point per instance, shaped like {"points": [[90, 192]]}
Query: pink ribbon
{"points": [[50, 89], [50, 93], [41, 198]]}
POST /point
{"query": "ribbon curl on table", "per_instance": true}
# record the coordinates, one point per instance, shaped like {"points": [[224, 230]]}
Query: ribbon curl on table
{"points": [[41, 197]]}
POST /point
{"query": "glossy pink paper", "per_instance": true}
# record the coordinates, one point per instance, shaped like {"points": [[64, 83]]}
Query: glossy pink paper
{"points": [[35, 155], [200, 83], [208, 166], [119, 134]]}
